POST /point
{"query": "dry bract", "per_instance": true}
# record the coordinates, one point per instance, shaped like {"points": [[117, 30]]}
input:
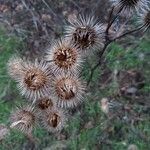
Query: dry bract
{"points": [[85, 33], [54, 119], [23, 119], [45, 103], [15, 67], [64, 57], [35, 81], [84, 37], [68, 90]]}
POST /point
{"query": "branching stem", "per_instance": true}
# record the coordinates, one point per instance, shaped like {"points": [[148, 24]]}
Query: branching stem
{"points": [[108, 41]]}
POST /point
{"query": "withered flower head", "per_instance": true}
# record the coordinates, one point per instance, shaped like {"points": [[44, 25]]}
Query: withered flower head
{"points": [[54, 119], [130, 5], [45, 103], [85, 33], [23, 119], [35, 81], [64, 56], [68, 90], [15, 67], [4, 131]]}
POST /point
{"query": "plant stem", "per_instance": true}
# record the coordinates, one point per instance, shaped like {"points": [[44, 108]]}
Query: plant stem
{"points": [[99, 63], [127, 33]]}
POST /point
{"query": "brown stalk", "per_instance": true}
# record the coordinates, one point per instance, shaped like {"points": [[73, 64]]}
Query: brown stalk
{"points": [[108, 41]]}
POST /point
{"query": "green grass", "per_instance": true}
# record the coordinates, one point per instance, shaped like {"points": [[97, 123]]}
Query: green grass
{"points": [[8, 93], [8, 47], [79, 137], [121, 59]]}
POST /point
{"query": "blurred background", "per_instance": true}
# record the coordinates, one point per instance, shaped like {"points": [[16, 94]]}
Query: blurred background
{"points": [[27, 28]]}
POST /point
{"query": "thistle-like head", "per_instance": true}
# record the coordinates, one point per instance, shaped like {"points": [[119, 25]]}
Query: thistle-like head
{"points": [[85, 32], [45, 103], [35, 80], [23, 119], [15, 67], [130, 5], [64, 57], [54, 119], [68, 90]]}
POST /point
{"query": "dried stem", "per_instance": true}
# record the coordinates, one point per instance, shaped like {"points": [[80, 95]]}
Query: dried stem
{"points": [[33, 16], [108, 41], [99, 63], [111, 21], [129, 32]]}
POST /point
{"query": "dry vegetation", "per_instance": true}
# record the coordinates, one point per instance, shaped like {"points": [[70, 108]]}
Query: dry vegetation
{"points": [[115, 110]]}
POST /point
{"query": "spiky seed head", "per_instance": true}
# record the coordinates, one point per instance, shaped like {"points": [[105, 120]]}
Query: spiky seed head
{"points": [[4, 131], [130, 5], [68, 90], [35, 81], [87, 39], [64, 56], [85, 33], [23, 119], [54, 119], [45, 103], [15, 67]]}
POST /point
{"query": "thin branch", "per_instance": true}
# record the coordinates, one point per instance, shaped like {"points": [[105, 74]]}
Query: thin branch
{"points": [[99, 63], [105, 47], [110, 22], [33, 16], [107, 41], [47, 5], [127, 33]]}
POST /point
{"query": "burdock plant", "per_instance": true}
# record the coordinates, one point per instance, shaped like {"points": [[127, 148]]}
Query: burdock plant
{"points": [[53, 86], [64, 56], [85, 32]]}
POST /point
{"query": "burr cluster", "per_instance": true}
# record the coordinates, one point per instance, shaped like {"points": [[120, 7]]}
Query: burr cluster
{"points": [[52, 86]]}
